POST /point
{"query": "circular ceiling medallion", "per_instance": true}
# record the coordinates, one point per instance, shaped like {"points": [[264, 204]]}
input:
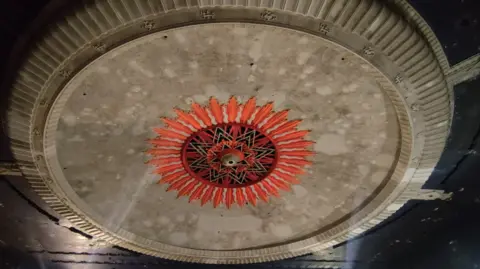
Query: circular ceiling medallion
{"points": [[99, 138], [230, 153], [339, 113]]}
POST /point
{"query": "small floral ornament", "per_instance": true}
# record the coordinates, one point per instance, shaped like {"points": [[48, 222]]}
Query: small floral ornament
{"points": [[230, 153]]}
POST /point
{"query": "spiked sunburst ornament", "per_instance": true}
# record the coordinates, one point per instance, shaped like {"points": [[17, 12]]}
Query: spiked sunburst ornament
{"points": [[230, 153]]}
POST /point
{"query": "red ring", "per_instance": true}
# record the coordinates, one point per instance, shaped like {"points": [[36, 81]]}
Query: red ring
{"points": [[192, 173]]}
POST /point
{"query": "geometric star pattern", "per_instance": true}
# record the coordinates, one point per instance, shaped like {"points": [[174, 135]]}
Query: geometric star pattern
{"points": [[230, 153]]}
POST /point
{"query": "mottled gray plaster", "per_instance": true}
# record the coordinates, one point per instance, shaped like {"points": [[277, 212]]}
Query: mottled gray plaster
{"points": [[119, 98]]}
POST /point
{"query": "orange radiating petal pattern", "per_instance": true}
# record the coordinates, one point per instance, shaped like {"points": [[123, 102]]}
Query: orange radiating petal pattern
{"points": [[173, 176], [168, 147], [189, 119], [301, 144], [176, 125], [165, 143], [169, 168], [218, 198], [292, 136], [300, 153], [160, 152], [229, 199], [207, 196], [169, 134], [163, 161], [251, 197], [276, 118], [286, 177], [240, 197], [295, 161], [232, 109], [263, 113], [260, 192], [187, 189], [216, 109], [248, 110], [279, 183], [197, 193], [286, 127], [179, 183], [291, 169], [269, 188], [201, 114], [240, 109], [179, 178]]}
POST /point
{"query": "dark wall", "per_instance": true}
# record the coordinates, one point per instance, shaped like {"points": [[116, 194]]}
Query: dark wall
{"points": [[456, 24]]}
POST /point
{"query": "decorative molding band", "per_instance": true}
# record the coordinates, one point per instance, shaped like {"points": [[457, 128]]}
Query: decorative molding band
{"points": [[99, 243], [426, 31], [331, 254], [412, 15], [9, 169], [464, 71], [425, 194], [405, 64]]}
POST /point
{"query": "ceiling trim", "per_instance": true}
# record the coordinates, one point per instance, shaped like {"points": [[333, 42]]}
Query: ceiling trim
{"points": [[406, 67], [412, 15], [464, 71]]}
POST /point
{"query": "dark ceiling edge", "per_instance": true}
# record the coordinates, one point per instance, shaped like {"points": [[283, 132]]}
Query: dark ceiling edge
{"points": [[23, 42], [20, 45]]}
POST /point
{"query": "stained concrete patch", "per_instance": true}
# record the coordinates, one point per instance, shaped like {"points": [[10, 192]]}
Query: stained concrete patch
{"points": [[331, 144]]}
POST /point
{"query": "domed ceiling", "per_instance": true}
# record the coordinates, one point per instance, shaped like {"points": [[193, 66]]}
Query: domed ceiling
{"points": [[229, 131]]}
